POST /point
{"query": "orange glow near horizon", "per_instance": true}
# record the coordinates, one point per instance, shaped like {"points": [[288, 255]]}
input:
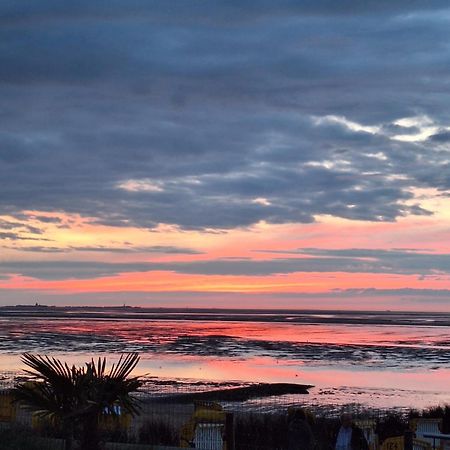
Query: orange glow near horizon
{"points": [[75, 238], [311, 282]]}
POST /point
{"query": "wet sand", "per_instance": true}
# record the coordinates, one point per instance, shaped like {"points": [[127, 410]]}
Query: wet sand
{"points": [[402, 362]]}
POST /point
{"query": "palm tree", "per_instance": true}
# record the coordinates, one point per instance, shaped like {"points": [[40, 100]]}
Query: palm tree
{"points": [[77, 397]]}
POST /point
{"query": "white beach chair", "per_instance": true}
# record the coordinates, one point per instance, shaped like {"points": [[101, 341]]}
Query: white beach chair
{"points": [[419, 444], [205, 429], [208, 436], [422, 426], [368, 428]]}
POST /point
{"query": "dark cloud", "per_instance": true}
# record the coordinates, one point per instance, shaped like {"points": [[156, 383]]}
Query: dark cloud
{"points": [[62, 270], [373, 292], [19, 231], [219, 112], [200, 11], [19, 236], [312, 260], [160, 249], [442, 137], [36, 248], [7, 225], [46, 219], [9, 235]]}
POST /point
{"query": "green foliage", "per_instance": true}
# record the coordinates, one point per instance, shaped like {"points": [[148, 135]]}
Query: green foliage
{"points": [[69, 392], [74, 398]]}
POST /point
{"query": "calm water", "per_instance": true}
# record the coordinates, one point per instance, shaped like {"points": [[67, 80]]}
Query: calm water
{"points": [[389, 361]]}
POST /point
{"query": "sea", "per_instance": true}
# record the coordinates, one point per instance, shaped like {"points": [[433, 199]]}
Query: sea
{"points": [[381, 360]]}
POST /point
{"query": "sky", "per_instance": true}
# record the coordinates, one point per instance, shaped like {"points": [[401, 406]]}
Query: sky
{"points": [[288, 154]]}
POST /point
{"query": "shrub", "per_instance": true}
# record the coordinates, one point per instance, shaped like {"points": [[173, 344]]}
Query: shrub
{"points": [[156, 432]]}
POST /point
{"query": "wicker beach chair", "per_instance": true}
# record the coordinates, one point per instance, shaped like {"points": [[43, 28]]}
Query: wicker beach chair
{"points": [[398, 443], [393, 443], [7, 406], [205, 429]]}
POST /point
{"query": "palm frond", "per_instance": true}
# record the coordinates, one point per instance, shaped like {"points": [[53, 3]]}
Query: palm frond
{"points": [[47, 369], [59, 390], [124, 366]]}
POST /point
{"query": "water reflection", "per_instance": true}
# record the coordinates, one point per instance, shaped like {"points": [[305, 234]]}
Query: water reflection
{"points": [[389, 364]]}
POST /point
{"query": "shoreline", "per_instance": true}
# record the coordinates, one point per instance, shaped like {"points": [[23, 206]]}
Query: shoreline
{"points": [[254, 397], [397, 318]]}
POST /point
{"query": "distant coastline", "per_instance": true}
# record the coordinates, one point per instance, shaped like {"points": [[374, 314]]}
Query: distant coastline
{"points": [[309, 316]]}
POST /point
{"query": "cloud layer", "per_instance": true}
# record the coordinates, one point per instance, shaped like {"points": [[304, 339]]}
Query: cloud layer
{"points": [[170, 149], [219, 115]]}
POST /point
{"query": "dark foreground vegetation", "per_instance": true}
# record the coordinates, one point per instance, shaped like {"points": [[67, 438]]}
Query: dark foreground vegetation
{"points": [[74, 401], [253, 431], [270, 431]]}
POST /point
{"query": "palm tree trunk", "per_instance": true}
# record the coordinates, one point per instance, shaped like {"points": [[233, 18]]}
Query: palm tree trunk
{"points": [[68, 443], [68, 434], [90, 438]]}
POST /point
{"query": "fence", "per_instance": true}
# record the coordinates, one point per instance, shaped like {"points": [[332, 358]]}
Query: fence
{"points": [[178, 414]]}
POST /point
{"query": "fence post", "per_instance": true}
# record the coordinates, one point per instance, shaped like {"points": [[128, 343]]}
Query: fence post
{"points": [[229, 431], [409, 435]]}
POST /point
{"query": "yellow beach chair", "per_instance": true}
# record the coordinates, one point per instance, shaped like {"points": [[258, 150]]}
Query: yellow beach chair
{"points": [[206, 428], [398, 443], [7, 407]]}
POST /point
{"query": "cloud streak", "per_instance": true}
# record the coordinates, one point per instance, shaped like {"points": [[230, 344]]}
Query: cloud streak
{"points": [[314, 260]]}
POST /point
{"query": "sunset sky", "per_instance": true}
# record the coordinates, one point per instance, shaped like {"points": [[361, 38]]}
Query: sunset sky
{"points": [[204, 153]]}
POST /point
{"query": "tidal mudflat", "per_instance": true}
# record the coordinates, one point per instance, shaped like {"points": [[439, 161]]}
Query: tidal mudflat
{"points": [[377, 360]]}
